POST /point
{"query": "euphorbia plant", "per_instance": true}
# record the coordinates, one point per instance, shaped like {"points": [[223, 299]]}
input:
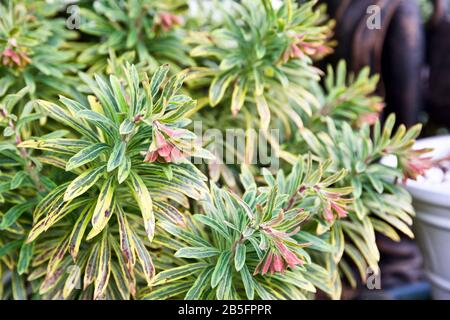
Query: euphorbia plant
{"points": [[259, 61], [35, 50], [127, 154], [101, 201], [261, 58], [145, 31], [22, 185], [346, 129], [257, 245], [332, 122]]}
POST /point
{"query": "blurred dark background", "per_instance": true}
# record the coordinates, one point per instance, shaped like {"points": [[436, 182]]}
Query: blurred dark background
{"points": [[411, 52]]}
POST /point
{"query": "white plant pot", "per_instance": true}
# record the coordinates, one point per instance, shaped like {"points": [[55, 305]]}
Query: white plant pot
{"points": [[432, 222]]}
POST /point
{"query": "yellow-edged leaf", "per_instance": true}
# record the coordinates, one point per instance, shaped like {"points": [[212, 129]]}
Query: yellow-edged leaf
{"points": [[144, 200]]}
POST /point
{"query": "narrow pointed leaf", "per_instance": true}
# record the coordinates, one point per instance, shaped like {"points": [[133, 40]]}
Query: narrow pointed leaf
{"points": [[83, 183], [116, 156], [103, 209], [197, 253], [86, 155], [78, 232], [104, 268], [221, 268], [144, 258], [239, 257], [142, 197]]}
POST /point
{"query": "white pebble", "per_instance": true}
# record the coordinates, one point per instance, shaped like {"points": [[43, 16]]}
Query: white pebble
{"points": [[447, 176], [434, 175], [420, 179]]}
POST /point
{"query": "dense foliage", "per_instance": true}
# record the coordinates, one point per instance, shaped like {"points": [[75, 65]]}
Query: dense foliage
{"points": [[107, 191]]}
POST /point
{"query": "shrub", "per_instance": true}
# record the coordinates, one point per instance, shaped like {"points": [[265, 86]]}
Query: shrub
{"points": [[145, 31], [101, 193]]}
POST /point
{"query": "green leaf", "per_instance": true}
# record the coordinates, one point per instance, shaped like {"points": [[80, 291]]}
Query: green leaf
{"points": [[259, 82], [207, 50], [168, 172], [11, 99], [360, 210], [197, 252], [5, 145], [357, 187], [221, 268], [73, 105], [63, 146], [116, 156], [18, 179], [103, 209], [172, 86], [86, 155], [144, 258], [53, 208], [91, 266], [100, 121], [213, 223], [18, 287], [78, 232], [25, 256], [247, 280], [58, 255], [297, 280], [104, 268], [121, 282], [8, 132], [218, 87], [142, 197], [125, 237], [83, 183], [168, 291], [14, 213], [158, 79], [225, 288], [238, 96], [118, 93], [263, 111], [126, 127], [316, 242], [62, 116], [230, 62], [5, 249], [183, 234], [26, 119], [239, 257], [386, 229], [376, 183], [124, 170], [105, 96], [200, 285], [178, 273], [133, 85]]}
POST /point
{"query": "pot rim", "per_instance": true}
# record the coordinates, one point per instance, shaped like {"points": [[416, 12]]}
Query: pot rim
{"points": [[433, 194]]}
